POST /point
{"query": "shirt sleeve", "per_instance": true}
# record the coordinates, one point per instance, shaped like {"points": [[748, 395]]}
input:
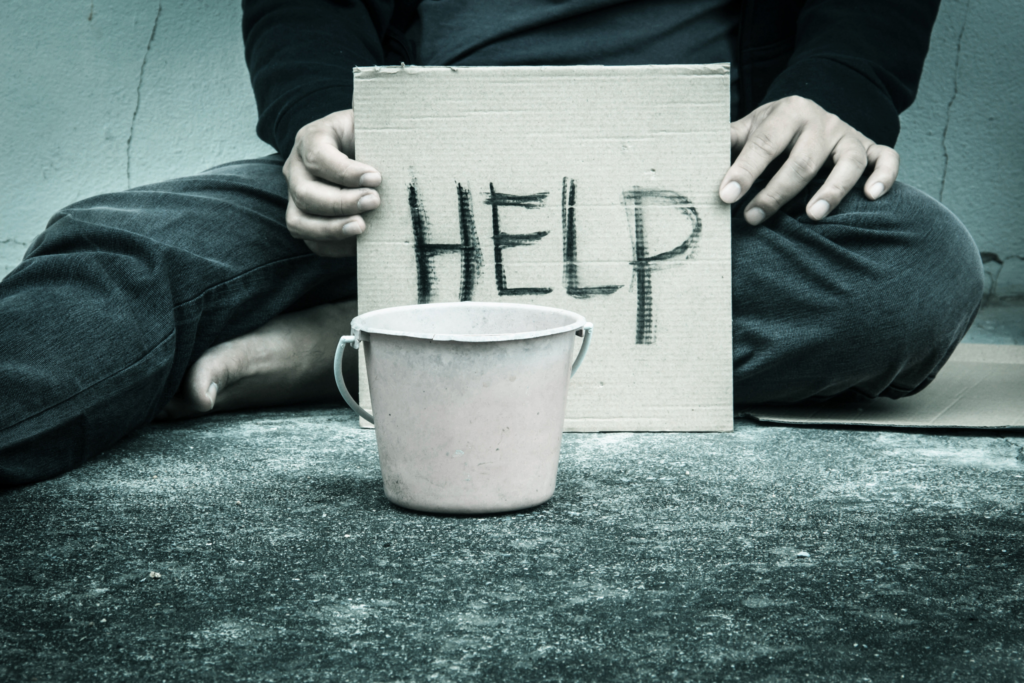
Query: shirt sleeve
{"points": [[859, 60], [300, 55]]}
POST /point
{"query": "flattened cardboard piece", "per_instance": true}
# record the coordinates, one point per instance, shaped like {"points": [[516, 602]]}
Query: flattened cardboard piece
{"points": [[980, 387], [593, 189]]}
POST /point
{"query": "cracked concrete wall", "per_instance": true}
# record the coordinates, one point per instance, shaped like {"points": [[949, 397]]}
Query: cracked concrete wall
{"points": [[963, 138], [99, 95]]}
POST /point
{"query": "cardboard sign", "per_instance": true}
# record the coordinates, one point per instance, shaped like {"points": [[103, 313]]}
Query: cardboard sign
{"points": [[593, 189], [980, 387]]}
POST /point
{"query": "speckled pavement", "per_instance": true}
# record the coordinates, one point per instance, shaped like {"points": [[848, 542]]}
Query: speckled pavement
{"points": [[260, 547], [770, 553]]}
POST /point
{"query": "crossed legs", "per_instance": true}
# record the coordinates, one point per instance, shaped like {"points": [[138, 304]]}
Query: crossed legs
{"points": [[123, 293], [135, 304], [869, 302]]}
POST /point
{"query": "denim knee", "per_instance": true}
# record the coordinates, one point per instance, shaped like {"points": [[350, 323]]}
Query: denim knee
{"points": [[869, 301], [934, 292]]}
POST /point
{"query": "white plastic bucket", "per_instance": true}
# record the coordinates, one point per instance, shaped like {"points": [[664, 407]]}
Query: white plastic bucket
{"points": [[468, 401]]}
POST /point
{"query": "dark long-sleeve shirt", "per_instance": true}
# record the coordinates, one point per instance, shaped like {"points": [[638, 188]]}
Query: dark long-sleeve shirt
{"points": [[859, 60]]}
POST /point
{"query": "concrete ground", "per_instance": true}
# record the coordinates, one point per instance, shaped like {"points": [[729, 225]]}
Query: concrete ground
{"points": [[259, 547]]}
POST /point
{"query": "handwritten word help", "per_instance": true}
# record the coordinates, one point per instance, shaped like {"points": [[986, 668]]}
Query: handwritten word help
{"points": [[472, 255]]}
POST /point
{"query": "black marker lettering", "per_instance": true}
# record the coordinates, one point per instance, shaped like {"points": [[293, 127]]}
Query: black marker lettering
{"points": [[644, 264], [469, 247], [569, 266], [503, 240]]}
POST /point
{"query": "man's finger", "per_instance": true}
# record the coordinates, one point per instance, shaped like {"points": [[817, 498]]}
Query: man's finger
{"points": [[764, 143], [739, 131], [342, 123], [730, 190], [306, 227], [805, 160], [321, 156], [886, 162], [850, 161], [320, 199]]}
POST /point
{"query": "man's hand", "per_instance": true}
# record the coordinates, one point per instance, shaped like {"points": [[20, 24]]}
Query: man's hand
{"points": [[328, 190], [811, 136]]}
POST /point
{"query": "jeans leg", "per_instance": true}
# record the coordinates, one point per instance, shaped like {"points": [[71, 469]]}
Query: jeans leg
{"points": [[124, 291], [869, 302]]}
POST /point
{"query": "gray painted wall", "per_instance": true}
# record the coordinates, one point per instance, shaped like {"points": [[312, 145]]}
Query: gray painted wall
{"points": [[97, 96], [101, 95], [963, 139]]}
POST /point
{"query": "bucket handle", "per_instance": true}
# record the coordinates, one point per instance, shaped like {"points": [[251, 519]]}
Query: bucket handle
{"points": [[345, 341], [587, 332], [349, 340]]}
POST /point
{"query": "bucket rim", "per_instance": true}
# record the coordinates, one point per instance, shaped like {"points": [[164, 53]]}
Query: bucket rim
{"points": [[362, 325]]}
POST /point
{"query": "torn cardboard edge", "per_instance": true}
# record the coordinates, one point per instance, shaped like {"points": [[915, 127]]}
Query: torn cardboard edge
{"points": [[980, 387], [710, 69]]}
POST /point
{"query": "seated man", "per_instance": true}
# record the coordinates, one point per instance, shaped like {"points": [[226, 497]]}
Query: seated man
{"points": [[230, 288]]}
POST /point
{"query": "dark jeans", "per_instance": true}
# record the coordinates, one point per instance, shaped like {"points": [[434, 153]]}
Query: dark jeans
{"points": [[122, 292]]}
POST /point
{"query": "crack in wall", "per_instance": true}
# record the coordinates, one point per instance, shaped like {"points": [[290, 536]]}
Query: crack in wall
{"points": [[138, 94], [989, 257], [952, 99], [11, 240], [993, 272]]}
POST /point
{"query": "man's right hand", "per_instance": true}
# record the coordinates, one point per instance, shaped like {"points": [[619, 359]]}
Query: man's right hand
{"points": [[327, 189]]}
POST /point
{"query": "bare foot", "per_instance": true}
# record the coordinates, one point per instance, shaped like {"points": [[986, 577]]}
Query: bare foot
{"points": [[288, 360]]}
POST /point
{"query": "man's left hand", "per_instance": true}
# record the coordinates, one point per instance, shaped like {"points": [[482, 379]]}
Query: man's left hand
{"points": [[811, 137]]}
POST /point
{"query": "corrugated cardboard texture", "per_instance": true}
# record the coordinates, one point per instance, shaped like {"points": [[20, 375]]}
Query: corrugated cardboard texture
{"points": [[981, 387], [593, 189]]}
